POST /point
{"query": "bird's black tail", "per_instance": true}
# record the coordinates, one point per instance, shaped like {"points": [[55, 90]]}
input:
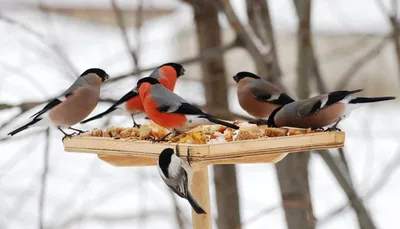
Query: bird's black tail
{"points": [[371, 99], [217, 121], [195, 205], [24, 127], [109, 110]]}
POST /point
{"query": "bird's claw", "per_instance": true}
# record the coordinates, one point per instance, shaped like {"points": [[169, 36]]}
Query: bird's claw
{"points": [[161, 139], [333, 128], [69, 136], [135, 125]]}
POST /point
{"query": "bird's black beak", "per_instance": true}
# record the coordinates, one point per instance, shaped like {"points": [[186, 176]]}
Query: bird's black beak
{"points": [[182, 72], [236, 78]]}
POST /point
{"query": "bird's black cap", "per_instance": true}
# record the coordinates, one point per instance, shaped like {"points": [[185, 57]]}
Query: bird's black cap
{"points": [[164, 159], [149, 80], [180, 71], [242, 75], [98, 71]]}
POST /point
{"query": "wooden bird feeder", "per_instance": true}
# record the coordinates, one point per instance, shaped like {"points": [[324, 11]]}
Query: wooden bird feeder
{"points": [[128, 152]]}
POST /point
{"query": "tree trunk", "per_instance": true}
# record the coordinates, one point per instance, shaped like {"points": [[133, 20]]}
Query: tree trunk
{"points": [[293, 171], [216, 90]]}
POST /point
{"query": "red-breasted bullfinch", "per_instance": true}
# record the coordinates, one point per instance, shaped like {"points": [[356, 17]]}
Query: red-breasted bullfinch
{"points": [[258, 97], [131, 103], [170, 110], [320, 111], [75, 104]]}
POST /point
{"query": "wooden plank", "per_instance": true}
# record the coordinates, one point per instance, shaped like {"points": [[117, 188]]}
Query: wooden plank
{"points": [[201, 193], [121, 160], [124, 152]]}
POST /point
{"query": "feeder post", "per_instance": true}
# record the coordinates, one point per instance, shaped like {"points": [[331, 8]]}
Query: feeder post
{"points": [[201, 192]]}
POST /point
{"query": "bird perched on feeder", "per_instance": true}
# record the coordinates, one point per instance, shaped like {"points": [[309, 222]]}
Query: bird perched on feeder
{"points": [[75, 104], [320, 111], [177, 174], [170, 111], [131, 103], [258, 97]]}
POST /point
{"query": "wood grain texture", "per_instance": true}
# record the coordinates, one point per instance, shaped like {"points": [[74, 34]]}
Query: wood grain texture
{"points": [[123, 152], [201, 192]]}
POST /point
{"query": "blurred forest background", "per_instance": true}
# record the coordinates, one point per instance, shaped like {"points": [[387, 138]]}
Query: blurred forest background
{"points": [[304, 46]]}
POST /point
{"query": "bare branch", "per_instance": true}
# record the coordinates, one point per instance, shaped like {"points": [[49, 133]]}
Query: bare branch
{"points": [[358, 64], [42, 195], [257, 216], [363, 215], [257, 50], [381, 181], [105, 218], [178, 214], [121, 23], [206, 54]]}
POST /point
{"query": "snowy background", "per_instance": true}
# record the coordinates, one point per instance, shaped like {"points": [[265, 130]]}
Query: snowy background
{"points": [[84, 192]]}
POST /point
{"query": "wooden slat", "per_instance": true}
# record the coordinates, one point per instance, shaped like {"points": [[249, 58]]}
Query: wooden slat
{"points": [[124, 152]]}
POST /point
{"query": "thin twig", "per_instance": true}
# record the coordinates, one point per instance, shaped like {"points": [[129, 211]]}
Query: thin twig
{"points": [[42, 195], [178, 215], [254, 46], [257, 216], [381, 181], [363, 215], [121, 24], [206, 54], [359, 63]]}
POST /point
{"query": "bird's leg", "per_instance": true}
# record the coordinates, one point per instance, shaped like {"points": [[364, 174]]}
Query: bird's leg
{"points": [[188, 156], [134, 122], [261, 122], [334, 127], [79, 131], [162, 139], [65, 134]]}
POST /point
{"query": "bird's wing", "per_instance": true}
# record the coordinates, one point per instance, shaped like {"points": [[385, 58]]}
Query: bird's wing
{"points": [[81, 81], [338, 96], [315, 104], [46, 108], [169, 102], [266, 92], [311, 106], [180, 187], [263, 90]]}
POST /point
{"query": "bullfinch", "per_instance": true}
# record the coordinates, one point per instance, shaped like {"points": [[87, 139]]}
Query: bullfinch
{"points": [[177, 174], [320, 111], [170, 111], [258, 97], [131, 103], [75, 104]]}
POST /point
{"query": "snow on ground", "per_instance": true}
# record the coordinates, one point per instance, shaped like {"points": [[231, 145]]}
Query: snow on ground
{"points": [[82, 186]]}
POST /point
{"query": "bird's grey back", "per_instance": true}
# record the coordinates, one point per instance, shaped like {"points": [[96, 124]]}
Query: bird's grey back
{"points": [[155, 74], [81, 81]]}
